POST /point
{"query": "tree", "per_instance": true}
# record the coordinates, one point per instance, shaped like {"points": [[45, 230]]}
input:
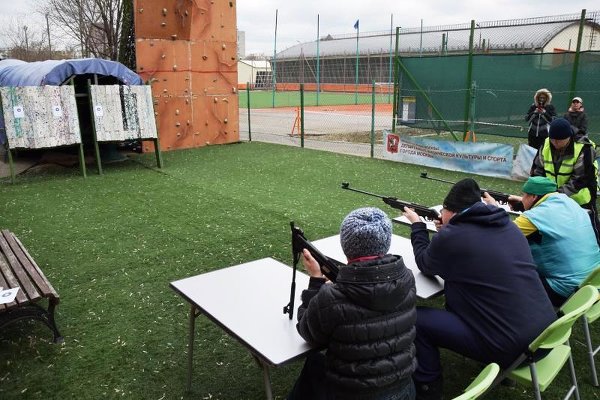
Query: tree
{"points": [[26, 42], [96, 25], [127, 41]]}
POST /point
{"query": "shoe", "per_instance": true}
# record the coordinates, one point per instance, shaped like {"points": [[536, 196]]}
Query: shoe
{"points": [[430, 390]]}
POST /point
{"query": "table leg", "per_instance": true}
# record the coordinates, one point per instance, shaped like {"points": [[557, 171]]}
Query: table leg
{"points": [[191, 347], [267, 379]]}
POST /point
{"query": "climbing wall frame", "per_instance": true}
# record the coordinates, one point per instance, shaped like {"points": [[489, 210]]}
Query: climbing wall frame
{"points": [[187, 50]]}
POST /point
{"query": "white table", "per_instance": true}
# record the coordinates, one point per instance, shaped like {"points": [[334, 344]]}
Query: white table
{"points": [[426, 286], [239, 301]]}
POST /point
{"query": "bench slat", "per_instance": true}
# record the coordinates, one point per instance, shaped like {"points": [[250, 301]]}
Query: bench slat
{"points": [[34, 272], [23, 279], [11, 281], [4, 285]]}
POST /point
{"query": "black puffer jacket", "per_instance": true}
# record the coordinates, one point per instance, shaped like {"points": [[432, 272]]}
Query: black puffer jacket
{"points": [[540, 114], [367, 322], [578, 120]]}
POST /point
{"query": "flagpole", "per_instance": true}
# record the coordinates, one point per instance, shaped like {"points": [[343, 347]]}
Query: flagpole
{"points": [[356, 74], [274, 66], [318, 64], [391, 56]]}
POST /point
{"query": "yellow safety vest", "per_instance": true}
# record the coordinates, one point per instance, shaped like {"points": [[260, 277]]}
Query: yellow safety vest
{"points": [[566, 170]]}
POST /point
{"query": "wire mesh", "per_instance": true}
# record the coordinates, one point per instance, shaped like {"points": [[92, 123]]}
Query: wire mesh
{"points": [[473, 77]]}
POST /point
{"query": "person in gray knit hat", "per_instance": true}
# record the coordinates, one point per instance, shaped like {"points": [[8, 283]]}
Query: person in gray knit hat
{"points": [[365, 232], [365, 319]]}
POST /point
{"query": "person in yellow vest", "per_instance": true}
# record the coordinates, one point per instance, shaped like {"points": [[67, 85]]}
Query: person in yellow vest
{"points": [[571, 163]]}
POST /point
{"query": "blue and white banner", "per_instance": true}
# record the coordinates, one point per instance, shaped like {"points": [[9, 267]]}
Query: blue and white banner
{"points": [[490, 159]]}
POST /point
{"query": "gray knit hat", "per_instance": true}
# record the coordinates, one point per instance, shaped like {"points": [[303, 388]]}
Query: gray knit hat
{"points": [[366, 232]]}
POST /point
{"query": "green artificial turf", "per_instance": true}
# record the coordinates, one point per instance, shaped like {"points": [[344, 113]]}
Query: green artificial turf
{"points": [[264, 98], [111, 244]]}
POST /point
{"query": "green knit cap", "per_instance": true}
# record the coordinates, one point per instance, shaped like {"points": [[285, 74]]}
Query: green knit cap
{"points": [[539, 185]]}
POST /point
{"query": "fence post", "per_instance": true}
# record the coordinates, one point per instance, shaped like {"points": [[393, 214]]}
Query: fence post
{"points": [[248, 105], [396, 90], [469, 78], [302, 115], [576, 60], [472, 116], [373, 120]]}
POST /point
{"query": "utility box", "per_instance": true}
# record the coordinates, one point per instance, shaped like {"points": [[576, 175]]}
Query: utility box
{"points": [[187, 51], [407, 110]]}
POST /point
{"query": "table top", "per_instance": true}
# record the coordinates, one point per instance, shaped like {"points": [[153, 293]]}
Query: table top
{"points": [[426, 286], [247, 301]]}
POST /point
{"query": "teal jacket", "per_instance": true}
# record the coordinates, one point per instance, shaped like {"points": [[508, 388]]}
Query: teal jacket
{"points": [[567, 251]]}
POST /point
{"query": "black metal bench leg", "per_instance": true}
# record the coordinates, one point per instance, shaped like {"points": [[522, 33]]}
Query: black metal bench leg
{"points": [[52, 322], [33, 311]]}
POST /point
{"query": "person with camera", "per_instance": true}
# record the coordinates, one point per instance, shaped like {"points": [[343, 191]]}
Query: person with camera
{"points": [[365, 319], [539, 116]]}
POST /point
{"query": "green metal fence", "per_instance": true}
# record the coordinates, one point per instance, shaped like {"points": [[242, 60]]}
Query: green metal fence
{"points": [[488, 90]]}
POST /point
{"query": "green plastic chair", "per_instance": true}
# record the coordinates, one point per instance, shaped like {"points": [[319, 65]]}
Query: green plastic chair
{"points": [[481, 383], [588, 318], [555, 338]]}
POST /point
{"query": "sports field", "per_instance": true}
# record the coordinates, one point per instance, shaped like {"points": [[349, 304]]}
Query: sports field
{"points": [[264, 98]]}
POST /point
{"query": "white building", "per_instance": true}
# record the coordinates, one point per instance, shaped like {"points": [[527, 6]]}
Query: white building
{"points": [[255, 72]]}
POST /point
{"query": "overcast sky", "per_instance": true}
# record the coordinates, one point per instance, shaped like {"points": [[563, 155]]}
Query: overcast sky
{"points": [[297, 19]]}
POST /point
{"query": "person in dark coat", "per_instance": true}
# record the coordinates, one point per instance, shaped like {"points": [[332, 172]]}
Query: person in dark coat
{"points": [[495, 302], [365, 319], [577, 117], [539, 116]]}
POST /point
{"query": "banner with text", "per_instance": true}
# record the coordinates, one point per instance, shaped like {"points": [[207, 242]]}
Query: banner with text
{"points": [[489, 159]]}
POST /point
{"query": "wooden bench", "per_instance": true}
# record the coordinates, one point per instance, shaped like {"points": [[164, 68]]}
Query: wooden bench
{"points": [[17, 269]]}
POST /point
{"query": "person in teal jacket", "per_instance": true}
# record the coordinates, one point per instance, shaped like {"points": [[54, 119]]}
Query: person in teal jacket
{"points": [[560, 235]]}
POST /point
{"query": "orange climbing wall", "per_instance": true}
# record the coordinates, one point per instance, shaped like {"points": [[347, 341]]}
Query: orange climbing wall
{"points": [[187, 49]]}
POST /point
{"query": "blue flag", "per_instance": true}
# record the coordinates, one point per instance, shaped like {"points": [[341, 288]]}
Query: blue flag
{"points": [[356, 24]]}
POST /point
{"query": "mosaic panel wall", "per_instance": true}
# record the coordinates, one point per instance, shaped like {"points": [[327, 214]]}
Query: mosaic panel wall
{"points": [[123, 112], [41, 116]]}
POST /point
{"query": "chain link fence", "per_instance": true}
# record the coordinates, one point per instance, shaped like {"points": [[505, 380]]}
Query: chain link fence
{"points": [[469, 78]]}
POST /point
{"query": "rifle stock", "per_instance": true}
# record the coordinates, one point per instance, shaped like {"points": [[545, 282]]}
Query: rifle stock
{"points": [[329, 266], [428, 213]]}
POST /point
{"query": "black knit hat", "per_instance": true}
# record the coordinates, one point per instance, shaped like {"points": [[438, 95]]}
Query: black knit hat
{"points": [[560, 129], [366, 232], [463, 195]]}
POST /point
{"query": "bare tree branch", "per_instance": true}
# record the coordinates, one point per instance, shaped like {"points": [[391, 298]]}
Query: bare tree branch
{"points": [[94, 24]]}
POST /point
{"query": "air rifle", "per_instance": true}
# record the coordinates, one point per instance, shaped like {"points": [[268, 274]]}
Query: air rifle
{"points": [[498, 196], [329, 266], [428, 213]]}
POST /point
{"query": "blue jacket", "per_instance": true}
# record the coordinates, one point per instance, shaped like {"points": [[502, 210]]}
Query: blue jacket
{"points": [[491, 282], [567, 251]]}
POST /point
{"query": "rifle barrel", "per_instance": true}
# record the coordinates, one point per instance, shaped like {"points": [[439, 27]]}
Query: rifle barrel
{"points": [[424, 175], [346, 186]]}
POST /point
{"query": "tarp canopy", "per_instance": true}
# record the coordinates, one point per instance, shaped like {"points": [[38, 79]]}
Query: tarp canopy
{"points": [[57, 72]]}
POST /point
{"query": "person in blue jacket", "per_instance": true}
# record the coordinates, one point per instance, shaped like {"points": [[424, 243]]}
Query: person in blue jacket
{"points": [[561, 237], [495, 302]]}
